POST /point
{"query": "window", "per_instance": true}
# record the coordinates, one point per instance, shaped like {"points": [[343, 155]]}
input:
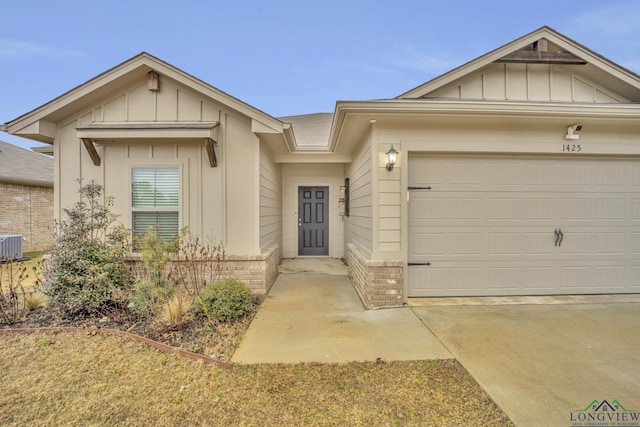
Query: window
{"points": [[155, 201]]}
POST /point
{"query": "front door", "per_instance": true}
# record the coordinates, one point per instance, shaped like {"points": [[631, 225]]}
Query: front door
{"points": [[313, 221]]}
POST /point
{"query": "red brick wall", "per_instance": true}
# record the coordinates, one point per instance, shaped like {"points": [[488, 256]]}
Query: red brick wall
{"points": [[27, 210]]}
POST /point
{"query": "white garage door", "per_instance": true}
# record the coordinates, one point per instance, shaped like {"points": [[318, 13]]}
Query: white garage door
{"points": [[523, 226]]}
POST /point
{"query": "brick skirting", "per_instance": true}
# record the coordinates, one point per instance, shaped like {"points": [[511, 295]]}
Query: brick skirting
{"points": [[378, 283], [259, 272]]}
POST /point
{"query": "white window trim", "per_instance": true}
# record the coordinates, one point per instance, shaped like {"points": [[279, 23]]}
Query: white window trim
{"points": [[183, 186]]}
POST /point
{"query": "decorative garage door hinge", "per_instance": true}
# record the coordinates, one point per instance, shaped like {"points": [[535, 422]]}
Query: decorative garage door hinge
{"points": [[411, 264]]}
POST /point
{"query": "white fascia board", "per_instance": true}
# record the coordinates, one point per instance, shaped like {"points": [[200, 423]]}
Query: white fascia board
{"points": [[394, 107]]}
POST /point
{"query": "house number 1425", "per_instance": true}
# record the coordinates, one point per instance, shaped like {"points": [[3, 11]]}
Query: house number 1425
{"points": [[571, 148]]}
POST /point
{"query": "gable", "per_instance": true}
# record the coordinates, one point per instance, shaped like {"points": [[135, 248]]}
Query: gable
{"points": [[135, 97], [542, 66], [173, 103], [527, 82]]}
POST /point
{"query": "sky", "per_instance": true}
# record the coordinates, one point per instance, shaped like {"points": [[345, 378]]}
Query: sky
{"points": [[285, 57]]}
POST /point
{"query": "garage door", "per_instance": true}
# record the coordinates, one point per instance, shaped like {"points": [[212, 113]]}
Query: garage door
{"points": [[484, 226]]}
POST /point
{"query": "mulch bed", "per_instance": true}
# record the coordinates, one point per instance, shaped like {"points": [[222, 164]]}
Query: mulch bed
{"points": [[197, 334]]}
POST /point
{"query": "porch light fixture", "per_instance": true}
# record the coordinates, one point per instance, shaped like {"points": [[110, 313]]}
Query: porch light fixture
{"points": [[572, 132], [392, 155]]}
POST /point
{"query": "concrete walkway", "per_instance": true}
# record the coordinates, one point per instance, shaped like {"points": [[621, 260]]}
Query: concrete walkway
{"points": [[318, 317]]}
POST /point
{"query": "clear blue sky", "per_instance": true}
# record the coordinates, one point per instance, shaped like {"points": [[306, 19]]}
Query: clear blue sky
{"points": [[285, 57]]}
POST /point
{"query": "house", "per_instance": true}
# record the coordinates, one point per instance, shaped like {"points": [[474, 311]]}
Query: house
{"points": [[517, 173], [26, 196]]}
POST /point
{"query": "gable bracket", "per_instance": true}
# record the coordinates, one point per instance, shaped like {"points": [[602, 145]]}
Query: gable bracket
{"points": [[209, 143], [91, 149]]}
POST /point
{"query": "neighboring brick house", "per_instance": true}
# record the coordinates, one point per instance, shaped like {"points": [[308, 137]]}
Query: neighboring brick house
{"points": [[26, 196]]}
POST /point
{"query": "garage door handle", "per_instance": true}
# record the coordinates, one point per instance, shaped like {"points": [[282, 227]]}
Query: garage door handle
{"points": [[410, 264], [561, 237]]}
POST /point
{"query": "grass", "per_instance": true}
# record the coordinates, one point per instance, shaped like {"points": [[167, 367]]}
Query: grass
{"points": [[83, 379]]}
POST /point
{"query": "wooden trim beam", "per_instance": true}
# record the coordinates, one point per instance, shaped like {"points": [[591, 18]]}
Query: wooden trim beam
{"points": [[542, 57], [211, 151], [91, 149]]}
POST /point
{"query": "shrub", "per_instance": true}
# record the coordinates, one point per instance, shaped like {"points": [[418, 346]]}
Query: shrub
{"points": [[88, 257], [11, 290], [154, 285], [224, 300], [198, 262]]}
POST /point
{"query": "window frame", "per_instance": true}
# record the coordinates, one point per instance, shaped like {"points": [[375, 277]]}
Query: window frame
{"points": [[181, 190]]}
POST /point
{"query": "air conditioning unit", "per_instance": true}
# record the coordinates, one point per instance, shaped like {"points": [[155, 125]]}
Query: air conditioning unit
{"points": [[10, 247]]}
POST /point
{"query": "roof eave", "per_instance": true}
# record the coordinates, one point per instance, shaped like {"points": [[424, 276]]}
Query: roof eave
{"points": [[142, 60]]}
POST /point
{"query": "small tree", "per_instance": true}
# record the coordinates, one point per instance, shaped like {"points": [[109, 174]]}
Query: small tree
{"points": [[88, 258], [153, 283]]}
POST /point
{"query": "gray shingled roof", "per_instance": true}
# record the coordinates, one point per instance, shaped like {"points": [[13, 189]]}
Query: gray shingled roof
{"points": [[311, 130], [21, 166]]}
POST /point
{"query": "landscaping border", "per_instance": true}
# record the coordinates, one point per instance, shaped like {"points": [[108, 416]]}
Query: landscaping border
{"points": [[107, 331]]}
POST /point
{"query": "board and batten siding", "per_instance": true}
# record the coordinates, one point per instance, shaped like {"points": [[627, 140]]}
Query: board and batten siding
{"points": [[220, 201], [358, 226], [270, 201], [295, 175], [527, 82]]}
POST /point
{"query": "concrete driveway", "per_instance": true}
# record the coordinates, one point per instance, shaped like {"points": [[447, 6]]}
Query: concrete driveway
{"points": [[541, 362]]}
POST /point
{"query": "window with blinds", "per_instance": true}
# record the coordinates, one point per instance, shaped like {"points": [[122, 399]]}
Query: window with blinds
{"points": [[155, 201]]}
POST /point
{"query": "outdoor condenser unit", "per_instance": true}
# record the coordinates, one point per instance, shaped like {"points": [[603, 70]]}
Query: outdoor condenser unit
{"points": [[10, 247]]}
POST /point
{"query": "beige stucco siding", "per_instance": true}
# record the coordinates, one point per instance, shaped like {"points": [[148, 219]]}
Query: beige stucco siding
{"points": [[302, 174], [527, 82], [222, 201], [270, 201], [358, 226]]}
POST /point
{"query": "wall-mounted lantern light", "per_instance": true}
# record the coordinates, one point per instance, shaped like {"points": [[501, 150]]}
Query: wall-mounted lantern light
{"points": [[392, 156]]}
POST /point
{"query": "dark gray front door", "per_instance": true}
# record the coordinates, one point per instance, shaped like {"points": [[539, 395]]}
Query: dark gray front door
{"points": [[313, 221]]}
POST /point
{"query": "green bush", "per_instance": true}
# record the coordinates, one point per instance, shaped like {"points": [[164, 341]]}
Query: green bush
{"points": [[88, 257], [154, 284], [224, 300]]}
